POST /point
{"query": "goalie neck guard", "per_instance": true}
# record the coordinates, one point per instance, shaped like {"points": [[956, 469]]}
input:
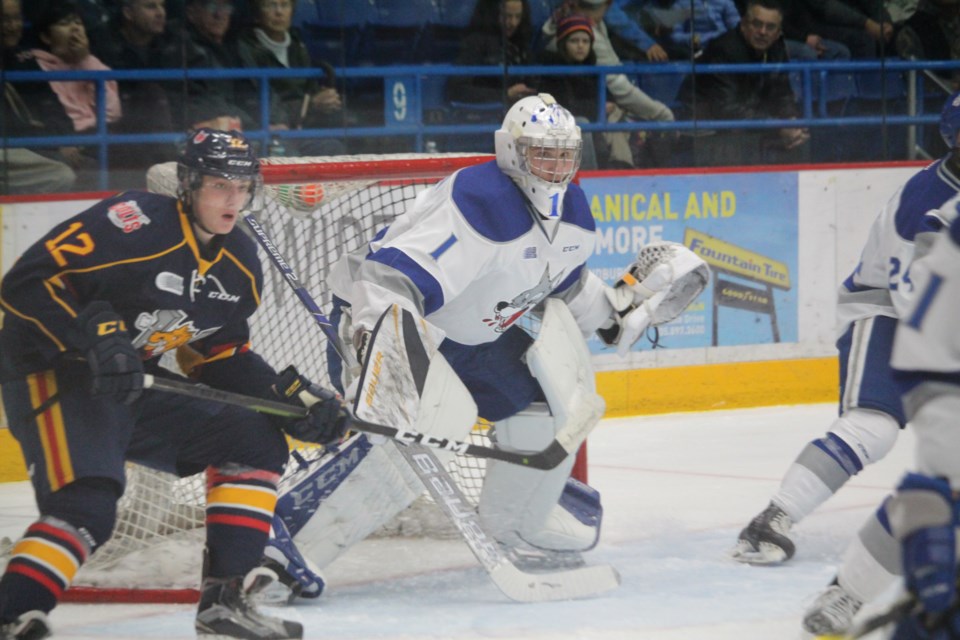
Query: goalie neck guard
{"points": [[539, 147], [210, 152]]}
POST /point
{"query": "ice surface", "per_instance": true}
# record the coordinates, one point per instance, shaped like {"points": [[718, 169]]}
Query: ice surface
{"points": [[676, 491]]}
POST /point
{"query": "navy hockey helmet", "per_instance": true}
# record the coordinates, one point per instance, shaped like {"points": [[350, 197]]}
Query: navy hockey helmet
{"points": [[211, 152], [950, 121]]}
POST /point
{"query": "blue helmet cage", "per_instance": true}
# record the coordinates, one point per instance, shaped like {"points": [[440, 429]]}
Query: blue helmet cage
{"points": [[950, 121], [215, 153]]}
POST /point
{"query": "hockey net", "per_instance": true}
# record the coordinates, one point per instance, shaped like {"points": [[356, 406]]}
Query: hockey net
{"points": [[316, 210]]}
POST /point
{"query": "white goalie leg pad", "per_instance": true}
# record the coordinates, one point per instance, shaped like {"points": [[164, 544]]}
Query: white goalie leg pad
{"points": [[350, 500], [519, 506]]}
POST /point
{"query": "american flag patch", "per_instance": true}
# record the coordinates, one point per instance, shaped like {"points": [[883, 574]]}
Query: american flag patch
{"points": [[529, 253]]}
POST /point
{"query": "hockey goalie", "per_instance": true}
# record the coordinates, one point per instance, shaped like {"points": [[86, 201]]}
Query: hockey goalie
{"points": [[472, 255]]}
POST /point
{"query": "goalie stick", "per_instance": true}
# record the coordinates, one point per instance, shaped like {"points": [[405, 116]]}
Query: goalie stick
{"points": [[512, 582], [544, 460]]}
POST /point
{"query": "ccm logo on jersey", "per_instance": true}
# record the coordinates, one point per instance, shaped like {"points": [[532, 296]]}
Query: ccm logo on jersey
{"points": [[128, 216]]}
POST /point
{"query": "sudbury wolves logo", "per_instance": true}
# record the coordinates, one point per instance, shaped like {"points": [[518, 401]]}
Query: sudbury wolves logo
{"points": [[506, 312], [164, 330]]}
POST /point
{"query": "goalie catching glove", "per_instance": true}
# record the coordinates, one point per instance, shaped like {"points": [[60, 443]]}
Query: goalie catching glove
{"points": [[664, 279], [328, 420], [114, 361]]}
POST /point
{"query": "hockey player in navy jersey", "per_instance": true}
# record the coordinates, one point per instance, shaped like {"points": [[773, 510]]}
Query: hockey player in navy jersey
{"points": [[870, 302], [472, 256], [89, 309]]}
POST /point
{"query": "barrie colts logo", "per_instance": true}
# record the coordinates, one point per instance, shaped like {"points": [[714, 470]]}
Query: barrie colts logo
{"points": [[127, 216], [166, 329]]}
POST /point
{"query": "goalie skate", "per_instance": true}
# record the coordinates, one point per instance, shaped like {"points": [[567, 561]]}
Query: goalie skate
{"points": [[31, 625], [225, 611], [765, 539], [831, 614]]}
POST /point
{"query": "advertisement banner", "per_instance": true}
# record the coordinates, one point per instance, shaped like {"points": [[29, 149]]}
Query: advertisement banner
{"points": [[745, 226]]}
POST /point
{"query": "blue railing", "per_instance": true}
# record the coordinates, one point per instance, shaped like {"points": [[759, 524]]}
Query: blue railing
{"points": [[405, 88]]}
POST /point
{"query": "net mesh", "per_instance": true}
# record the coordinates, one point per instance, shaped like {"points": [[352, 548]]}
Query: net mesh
{"points": [[317, 209]]}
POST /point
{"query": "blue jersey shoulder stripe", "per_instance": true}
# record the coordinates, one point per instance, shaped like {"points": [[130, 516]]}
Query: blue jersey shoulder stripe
{"points": [[476, 188], [576, 210], [421, 278], [926, 191], [491, 203]]}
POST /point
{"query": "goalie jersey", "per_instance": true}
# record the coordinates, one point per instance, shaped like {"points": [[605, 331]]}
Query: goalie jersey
{"points": [[881, 285], [137, 251], [472, 257]]}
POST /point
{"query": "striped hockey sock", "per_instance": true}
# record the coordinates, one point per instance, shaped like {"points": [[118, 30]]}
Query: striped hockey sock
{"points": [[240, 505], [42, 566]]}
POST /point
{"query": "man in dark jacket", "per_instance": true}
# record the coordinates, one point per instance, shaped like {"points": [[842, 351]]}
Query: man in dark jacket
{"points": [[747, 96]]}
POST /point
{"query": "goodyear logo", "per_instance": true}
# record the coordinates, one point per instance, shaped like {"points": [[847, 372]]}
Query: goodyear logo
{"points": [[730, 258]]}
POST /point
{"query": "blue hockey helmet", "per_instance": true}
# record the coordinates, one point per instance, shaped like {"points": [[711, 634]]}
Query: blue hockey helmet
{"points": [[211, 152], [950, 121]]}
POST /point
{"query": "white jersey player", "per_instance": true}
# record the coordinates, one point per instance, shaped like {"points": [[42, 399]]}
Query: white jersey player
{"points": [[869, 303], [474, 254], [923, 513]]}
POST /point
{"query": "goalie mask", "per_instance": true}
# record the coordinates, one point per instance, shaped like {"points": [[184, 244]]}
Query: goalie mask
{"points": [[539, 147], [210, 152], [950, 121]]}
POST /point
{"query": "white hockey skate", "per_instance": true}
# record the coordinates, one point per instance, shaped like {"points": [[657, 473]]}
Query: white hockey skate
{"points": [[31, 625], [765, 539], [225, 611], [831, 614]]}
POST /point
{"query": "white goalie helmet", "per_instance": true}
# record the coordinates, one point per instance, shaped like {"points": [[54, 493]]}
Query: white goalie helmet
{"points": [[539, 147]]}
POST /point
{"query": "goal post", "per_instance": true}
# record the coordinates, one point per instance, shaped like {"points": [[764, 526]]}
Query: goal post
{"points": [[315, 210]]}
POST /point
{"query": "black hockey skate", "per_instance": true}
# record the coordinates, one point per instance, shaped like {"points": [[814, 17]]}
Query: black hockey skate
{"points": [[31, 625], [225, 612], [765, 540]]}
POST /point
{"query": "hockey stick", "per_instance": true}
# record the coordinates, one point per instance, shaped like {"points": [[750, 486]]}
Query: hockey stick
{"points": [[514, 583], [521, 586], [545, 460], [896, 612]]}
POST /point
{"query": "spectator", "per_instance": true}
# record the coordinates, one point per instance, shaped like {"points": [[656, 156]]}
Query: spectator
{"points": [[747, 96], [305, 102], [630, 40], [141, 41], [219, 104], [61, 30], [709, 19], [862, 26], [29, 109], [801, 29], [630, 101], [579, 92], [939, 22], [500, 33]]}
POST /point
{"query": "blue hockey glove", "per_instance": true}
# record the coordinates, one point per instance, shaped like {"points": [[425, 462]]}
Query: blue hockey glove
{"points": [[115, 363], [328, 419], [923, 517]]}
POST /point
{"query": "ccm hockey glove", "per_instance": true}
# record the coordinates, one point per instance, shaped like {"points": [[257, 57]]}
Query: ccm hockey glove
{"points": [[328, 419], [113, 360]]}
